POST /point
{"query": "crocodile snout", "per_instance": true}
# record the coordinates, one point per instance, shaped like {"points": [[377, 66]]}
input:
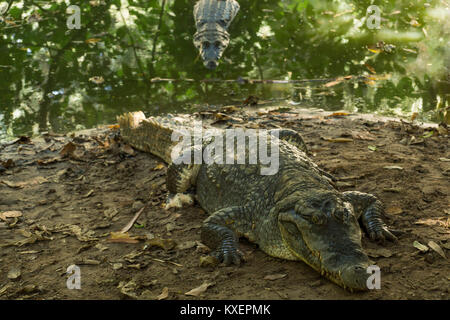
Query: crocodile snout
{"points": [[355, 277], [211, 64]]}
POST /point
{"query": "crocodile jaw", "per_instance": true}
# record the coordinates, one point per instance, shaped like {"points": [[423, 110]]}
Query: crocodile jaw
{"points": [[346, 270]]}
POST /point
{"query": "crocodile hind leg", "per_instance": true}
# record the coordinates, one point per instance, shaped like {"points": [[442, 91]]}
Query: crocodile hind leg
{"points": [[183, 170], [292, 137], [180, 177], [371, 211], [221, 231]]}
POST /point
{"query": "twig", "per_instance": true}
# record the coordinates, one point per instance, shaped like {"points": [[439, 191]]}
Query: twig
{"points": [[132, 221], [252, 81], [171, 262]]}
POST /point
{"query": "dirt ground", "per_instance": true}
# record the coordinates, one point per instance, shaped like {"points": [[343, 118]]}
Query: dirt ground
{"points": [[65, 199]]}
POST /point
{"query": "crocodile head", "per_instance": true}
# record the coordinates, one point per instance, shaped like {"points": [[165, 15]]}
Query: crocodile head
{"points": [[211, 41], [323, 231]]}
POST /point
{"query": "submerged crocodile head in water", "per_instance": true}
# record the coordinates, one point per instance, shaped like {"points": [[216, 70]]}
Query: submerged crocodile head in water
{"points": [[212, 20], [323, 231], [211, 43]]}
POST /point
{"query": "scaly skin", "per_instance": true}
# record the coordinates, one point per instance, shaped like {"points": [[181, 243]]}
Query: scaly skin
{"points": [[294, 214], [212, 20]]}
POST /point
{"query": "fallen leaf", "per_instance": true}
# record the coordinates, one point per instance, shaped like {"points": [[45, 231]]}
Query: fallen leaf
{"points": [[371, 69], [128, 289], [93, 40], [199, 290], [25, 233], [409, 50], [97, 79], [87, 195], [122, 238], [339, 140], [275, 276], [5, 288], [229, 109], [68, 149], [382, 252], [414, 23], [362, 136], [26, 152], [21, 184], [159, 166], [433, 245], [10, 214], [420, 246], [14, 273], [166, 244], [374, 49], [164, 294], [126, 148], [372, 148], [393, 168], [8, 163], [208, 261], [337, 114], [428, 134], [187, 245], [394, 210], [43, 162]]}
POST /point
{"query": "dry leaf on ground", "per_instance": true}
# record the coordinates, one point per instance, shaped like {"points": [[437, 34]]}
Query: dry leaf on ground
{"points": [[199, 290], [21, 184], [420, 246], [164, 294], [275, 276], [433, 245], [10, 214], [122, 238]]}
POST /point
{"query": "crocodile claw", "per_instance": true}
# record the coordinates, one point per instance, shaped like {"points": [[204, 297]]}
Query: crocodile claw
{"points": [[229, 256], [382, 234]]}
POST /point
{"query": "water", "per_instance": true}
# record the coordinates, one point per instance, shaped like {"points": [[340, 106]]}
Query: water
{"points": [[60, 79]]}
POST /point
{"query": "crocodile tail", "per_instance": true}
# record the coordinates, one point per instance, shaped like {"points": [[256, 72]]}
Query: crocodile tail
{"points": [[146, 134]]}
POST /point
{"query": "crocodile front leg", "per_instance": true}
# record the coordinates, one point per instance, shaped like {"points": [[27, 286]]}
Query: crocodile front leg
{"points": [[221, 231], [371, 211]]}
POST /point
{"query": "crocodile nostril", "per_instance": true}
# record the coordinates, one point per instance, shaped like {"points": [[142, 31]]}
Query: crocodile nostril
{"points": [[211, 65]]}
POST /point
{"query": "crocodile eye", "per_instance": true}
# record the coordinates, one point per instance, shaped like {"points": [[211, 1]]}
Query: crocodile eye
{"points": [[291, 228], [206, 44], [328, 207], [217, 44]]}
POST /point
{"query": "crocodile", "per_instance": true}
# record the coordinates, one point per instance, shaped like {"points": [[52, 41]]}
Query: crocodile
{"points": [[295, 213], [212, 20]]}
